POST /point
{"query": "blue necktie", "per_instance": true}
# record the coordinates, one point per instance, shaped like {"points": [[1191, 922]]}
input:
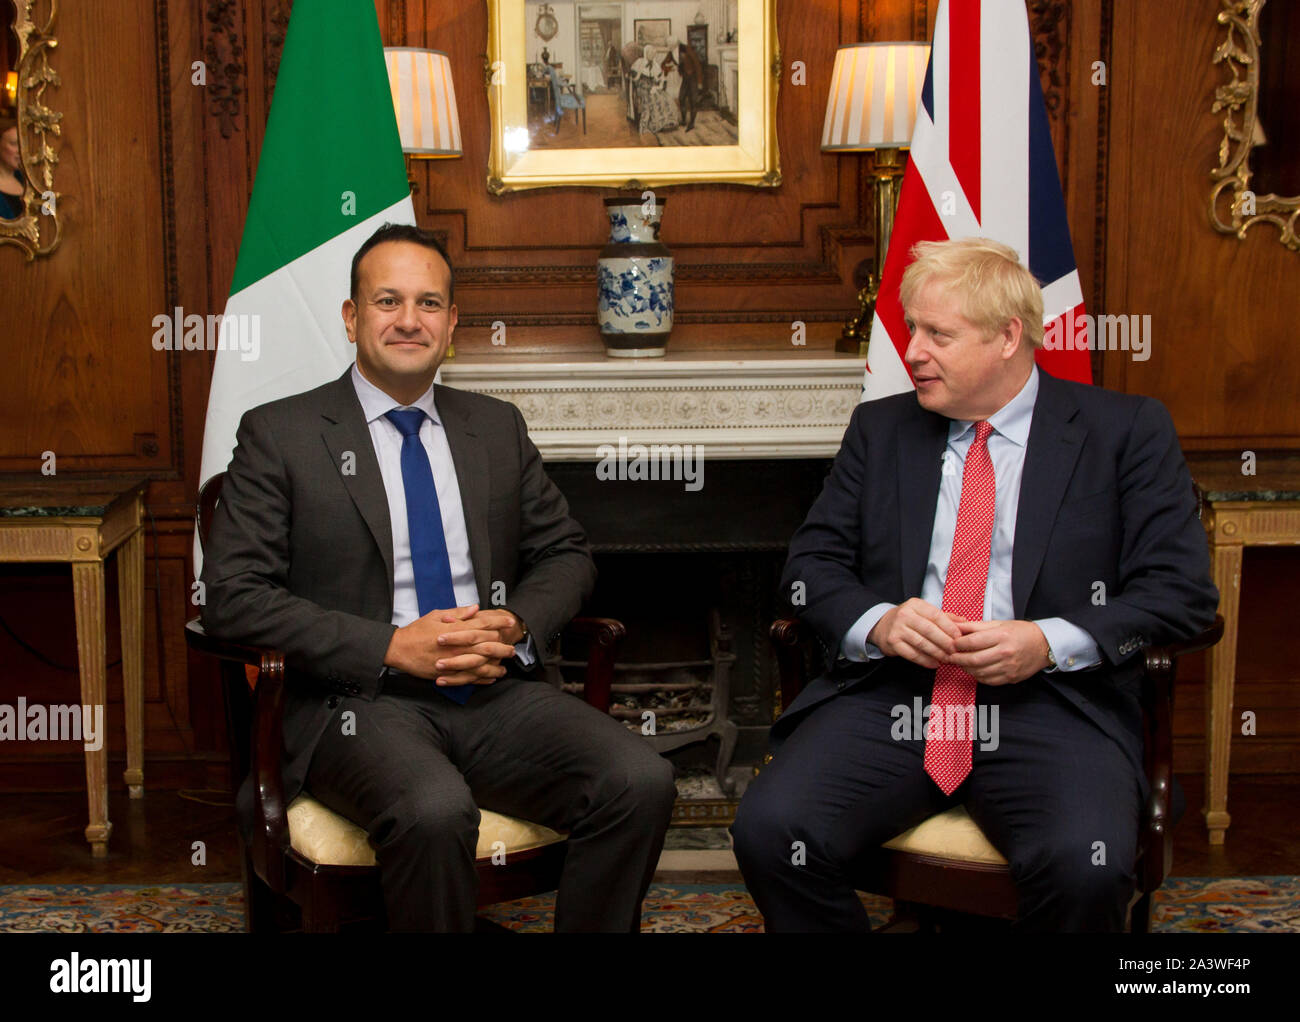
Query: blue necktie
{"points": [[433, 588]]}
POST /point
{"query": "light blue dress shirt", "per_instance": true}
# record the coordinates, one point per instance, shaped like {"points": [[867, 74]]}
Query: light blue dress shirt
{"points": [[1073, 648], [387, 441]]}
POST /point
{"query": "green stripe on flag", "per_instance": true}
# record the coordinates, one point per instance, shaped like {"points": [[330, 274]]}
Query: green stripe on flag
{"points": [[331, 131]]}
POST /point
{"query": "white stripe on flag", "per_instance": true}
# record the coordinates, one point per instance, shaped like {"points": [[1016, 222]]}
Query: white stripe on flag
{"points": [[1062, 295], [1005, 60], [946, 192], [939, 75], [303, 342]]}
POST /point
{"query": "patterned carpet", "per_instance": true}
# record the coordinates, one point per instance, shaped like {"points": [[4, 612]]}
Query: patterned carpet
{"points": [[1184, 904]]}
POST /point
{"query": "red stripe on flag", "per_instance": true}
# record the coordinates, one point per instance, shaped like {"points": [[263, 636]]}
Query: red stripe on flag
{"points": [[964, 97], [1063, 361], [916, 220]]}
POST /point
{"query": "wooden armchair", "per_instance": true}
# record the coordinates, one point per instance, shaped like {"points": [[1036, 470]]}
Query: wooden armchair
{"points": [[946, 866], [304, 855]]}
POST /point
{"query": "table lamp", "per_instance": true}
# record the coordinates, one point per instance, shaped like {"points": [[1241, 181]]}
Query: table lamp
{"points": [[424, 100], [874, 92]]}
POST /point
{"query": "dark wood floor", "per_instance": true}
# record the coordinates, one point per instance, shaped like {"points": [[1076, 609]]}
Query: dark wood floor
{"points": [[153, 839]]}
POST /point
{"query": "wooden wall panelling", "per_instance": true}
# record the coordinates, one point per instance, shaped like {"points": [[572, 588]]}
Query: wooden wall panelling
{"points": [[749, 260], [84, 379], [81, 380], [1222, 354]]}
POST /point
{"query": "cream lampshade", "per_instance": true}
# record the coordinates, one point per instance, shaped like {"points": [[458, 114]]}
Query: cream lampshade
{"points": [[424, 100], [874, 92]]}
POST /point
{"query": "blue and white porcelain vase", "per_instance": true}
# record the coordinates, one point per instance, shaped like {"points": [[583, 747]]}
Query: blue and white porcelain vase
{"points": [[635, 281]]}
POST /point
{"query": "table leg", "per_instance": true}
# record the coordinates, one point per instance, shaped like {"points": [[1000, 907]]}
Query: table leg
{"points": [[1221, 671], [88, 595], [130, 595]]}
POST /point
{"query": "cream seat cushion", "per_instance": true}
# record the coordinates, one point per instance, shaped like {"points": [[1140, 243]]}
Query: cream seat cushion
{"points": [[321, 835], [948, 835]]}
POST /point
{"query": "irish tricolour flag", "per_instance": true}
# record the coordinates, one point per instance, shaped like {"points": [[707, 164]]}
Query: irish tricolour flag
{"points": [[331, 172]]}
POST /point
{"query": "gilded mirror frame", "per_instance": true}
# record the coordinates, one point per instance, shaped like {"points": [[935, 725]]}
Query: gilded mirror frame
{"points": [[1234, 207], [38, 230], [754, 160]]}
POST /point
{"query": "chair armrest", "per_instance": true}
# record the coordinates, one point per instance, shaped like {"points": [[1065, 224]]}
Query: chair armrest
{"points": [[209, 645], [604, 635], [794, 644], [1158, 745], [1195, 644], [271, 822]]}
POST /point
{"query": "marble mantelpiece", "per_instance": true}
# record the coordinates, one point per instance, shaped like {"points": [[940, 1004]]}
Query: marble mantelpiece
{"points": [[755, 404]]}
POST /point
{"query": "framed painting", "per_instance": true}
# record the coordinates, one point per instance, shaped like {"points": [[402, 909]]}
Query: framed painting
{"points": [[604, 98], [652, 31]]}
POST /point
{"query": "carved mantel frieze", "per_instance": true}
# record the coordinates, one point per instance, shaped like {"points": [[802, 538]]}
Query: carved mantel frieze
{"points": [[737, 405]]}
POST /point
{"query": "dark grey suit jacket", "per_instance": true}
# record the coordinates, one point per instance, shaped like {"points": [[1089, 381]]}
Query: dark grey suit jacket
{"points": [[300, 553], [1105, 501]]}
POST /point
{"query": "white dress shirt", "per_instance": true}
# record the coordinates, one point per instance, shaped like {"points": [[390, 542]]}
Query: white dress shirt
{"points": [[387, 441], [1072, 647]]}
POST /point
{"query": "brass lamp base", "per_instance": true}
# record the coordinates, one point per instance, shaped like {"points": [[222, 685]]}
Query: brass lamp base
{"points": [[857, 332], [886, 167]]}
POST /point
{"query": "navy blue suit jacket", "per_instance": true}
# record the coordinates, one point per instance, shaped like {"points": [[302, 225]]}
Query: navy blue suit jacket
{"points": [[1105, 497]]}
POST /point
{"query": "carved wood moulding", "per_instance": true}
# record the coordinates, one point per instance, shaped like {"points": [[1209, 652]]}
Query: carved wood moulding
{"points": [[224, 56], [277, 26]]}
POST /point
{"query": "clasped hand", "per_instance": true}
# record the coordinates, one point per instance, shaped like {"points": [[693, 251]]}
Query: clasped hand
{"points": [[458, 646], [991, 652]]}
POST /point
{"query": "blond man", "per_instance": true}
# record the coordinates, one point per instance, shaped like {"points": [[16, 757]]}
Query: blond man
{"points": [[1000, 546]]}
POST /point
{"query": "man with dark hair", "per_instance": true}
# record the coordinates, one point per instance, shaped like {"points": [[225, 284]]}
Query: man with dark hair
{"points": [[362, 528], [402, 232]]}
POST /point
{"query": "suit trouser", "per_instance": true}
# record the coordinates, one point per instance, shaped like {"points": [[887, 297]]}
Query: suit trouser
{"points": [[1057, 797], [419, 767]]}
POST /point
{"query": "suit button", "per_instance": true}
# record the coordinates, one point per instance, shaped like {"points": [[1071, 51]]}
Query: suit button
{"points": [[839, 684], [332, 702]]}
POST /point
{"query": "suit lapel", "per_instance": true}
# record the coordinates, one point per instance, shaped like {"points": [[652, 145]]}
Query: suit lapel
{"points": [[472, 467], [1050, 456], [920, 456], [345, 433]]}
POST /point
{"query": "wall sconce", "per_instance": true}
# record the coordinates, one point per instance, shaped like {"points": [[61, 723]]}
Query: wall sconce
{"points": [[424, 100], [871, 108]]}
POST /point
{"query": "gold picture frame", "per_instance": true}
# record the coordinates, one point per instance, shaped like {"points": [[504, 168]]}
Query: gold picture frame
{"points": [[513, 164], [1234, 206], [38, 230]]}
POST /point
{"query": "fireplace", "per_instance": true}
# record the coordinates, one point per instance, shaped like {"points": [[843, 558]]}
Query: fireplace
{"points": [[690, 555]]}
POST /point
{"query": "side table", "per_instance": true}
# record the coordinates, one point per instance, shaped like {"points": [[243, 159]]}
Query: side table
{"points": [[80, 521], [1240, 511]]}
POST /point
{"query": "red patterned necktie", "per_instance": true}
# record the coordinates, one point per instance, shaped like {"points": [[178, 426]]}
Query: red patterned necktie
{"points": [[948, 760]]}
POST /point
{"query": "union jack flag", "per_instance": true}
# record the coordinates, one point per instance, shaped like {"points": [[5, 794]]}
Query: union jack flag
{"points": [[981, 165]]}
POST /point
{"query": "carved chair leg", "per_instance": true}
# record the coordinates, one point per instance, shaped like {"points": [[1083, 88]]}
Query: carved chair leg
{"points": [[260, 909]]}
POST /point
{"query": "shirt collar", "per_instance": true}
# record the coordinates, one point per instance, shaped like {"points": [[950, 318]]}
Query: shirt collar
{"points": [[1012, 420], [374, 402]]}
